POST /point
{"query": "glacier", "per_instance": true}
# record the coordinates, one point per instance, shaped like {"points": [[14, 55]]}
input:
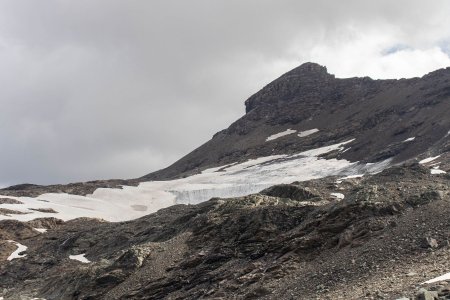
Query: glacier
{"points": [[239, 179]]}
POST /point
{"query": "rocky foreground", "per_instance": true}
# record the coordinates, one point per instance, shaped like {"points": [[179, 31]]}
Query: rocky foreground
{"points": [[389, 234]]}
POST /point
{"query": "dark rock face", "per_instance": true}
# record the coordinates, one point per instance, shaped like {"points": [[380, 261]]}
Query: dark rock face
{"points": [[291, 191], [80, 188], [379, 114]]}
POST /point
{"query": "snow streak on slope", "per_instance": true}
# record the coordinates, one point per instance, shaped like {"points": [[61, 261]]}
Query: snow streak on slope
{"points": [[307, 132], [280, 134], [16, 254], [229, 181], [80, 258]]}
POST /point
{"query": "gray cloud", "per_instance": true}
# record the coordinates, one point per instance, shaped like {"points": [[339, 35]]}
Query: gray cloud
{"points": [[104, 89]]}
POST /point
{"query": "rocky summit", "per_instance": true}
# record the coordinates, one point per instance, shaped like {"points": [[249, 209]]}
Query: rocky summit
{"points": [[326, 188]]}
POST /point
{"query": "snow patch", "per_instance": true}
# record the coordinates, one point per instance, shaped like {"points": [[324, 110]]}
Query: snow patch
{"points": [[280, 134], [339, 180], [41, 230], [80, 258], [351, 176], [440, 278], [429, 159], [16, 254], [307, 132], [339, 196], [436, 171], [409, 139]]}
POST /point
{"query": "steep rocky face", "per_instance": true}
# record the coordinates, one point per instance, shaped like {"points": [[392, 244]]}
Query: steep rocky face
{"points": [[397, 119]]}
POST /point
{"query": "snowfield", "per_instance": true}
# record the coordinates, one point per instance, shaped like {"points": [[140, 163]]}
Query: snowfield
{"points": [[229, 181]]}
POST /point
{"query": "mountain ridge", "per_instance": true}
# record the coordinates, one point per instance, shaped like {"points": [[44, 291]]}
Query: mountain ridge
{"points": [[246, 137], [325, 189], [309, 91]]}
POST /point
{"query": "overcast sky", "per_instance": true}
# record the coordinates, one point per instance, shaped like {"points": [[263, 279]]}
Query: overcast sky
{"points": [[116, 89]]}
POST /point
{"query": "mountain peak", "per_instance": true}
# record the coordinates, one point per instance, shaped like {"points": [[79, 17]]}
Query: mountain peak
{"points": [[310, 68]]}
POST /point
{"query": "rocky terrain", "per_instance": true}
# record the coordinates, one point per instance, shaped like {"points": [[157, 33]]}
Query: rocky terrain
{"points": [[371, 235], [387, 235]]}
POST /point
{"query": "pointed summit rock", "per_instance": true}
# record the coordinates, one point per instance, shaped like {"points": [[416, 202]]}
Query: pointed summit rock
{"points": [[309, 69], [306, 79]]}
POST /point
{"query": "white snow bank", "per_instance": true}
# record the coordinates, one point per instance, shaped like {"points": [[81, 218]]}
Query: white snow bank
{"points": [[232, 180], [352, 176], [429, 159], [41, 230], [280, 134], [440, 278], [436, 171], [307, 132], [20, 249], [409, 139], [338, 195], [80, 258]]}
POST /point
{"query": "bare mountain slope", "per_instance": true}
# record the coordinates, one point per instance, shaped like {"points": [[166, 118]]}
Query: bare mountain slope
{"points": [[397, 119]]}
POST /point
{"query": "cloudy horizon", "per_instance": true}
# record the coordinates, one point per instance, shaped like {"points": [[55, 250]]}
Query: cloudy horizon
{"points": [[96, 89]]}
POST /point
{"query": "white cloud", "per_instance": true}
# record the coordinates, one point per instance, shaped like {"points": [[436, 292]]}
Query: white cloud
{"points": [[365, 55]]}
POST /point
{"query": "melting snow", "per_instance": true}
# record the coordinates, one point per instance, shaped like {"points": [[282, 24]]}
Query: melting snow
{"points": [[80, 258], [280, 134], [20, 249], [338, 195], [307, 132], [440, 278], [435, 171], [227, 181], [349, 177], [41, 230], [409, 139], [429, 159]]}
